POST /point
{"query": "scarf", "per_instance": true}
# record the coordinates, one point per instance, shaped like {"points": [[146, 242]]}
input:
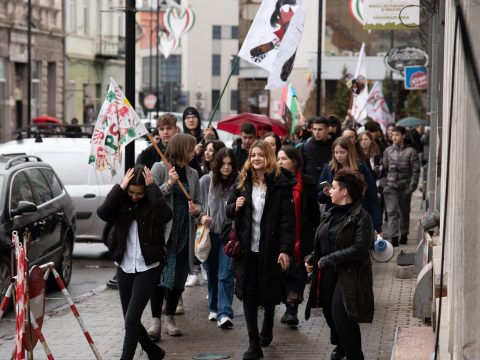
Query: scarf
{"points": [[297, 202]]}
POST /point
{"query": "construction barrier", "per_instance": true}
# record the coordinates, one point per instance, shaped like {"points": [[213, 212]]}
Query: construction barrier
{"points": [[22, 306]]}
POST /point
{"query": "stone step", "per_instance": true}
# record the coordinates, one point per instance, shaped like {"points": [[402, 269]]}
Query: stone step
{"points": [[413, 343]]}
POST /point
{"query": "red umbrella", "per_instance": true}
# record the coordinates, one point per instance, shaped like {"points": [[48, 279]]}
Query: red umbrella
{"points": [[45, 119], [233, 123]]}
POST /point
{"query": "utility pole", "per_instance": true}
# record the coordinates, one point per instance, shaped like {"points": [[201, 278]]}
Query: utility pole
{"points": [[319, 58], [130, 72], [29, 63]]}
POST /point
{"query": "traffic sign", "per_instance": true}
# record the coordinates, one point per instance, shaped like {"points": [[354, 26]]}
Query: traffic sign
{"points": [[149, 101]]}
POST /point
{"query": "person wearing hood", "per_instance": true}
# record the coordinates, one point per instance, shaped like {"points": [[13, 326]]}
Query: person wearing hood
{"points": [[262, 206], [192, 126]]}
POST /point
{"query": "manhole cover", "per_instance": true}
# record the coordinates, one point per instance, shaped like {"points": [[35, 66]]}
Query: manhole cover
{"points": [[210, 357]]}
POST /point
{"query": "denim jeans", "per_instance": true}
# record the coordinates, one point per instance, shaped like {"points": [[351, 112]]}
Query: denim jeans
{"points": [[220, 279]]}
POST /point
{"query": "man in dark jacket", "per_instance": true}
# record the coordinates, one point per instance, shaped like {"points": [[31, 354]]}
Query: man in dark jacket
{"points": [[401, 173], [167, 127], [248, 134], [317, 151]]}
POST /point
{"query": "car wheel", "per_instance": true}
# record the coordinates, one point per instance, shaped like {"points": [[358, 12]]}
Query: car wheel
{"points": [[5, 277], [64, 269]]}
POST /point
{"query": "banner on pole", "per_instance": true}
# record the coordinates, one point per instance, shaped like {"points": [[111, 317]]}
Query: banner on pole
{"points": [[117, 125]]}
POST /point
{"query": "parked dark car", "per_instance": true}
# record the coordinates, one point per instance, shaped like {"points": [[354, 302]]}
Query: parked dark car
{"points": [[32, 196]]}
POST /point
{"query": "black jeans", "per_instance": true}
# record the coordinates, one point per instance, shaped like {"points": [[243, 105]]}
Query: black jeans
{"points": [[344, 332], [135, 291], [251, 303], [159, 295]]}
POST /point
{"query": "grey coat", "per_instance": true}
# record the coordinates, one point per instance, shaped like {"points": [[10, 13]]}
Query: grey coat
{"points": [[160, 177], [401, 167]]}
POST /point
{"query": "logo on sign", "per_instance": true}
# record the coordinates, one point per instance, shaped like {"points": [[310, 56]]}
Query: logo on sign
{"points": [[415, 78], [398, 58]]}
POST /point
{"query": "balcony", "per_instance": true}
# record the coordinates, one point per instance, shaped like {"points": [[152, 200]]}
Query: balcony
{"points": [[110, 47]]}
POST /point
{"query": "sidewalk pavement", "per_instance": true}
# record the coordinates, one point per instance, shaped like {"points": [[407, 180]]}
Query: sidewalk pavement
{"points": [[102, 315]]}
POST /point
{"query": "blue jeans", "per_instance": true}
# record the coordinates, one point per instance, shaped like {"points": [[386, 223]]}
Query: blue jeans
{"points": [[220, 279]]}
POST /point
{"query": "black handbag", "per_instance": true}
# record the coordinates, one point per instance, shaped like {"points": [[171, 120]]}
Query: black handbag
{"points": [[233, 248]]}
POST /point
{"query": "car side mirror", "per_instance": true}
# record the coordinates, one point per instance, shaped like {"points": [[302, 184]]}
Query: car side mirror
{"points": [[24, 207]]}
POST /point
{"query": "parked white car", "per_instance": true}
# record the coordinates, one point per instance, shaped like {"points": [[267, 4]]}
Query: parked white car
{"points": [[86, 186]]}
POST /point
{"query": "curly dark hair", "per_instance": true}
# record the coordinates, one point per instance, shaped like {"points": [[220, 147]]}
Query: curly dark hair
{"points": [[352, 181]]}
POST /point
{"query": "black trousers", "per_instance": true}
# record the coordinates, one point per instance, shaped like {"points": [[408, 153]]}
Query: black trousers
{"points": [[295, 281], [344, 332], [159, 295], [251, 303], [135, 291]]}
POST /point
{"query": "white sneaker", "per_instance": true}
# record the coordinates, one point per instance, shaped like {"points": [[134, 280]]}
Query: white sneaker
{"points": [[192, 280], [212, 316], [204, 275], [225, 323]]}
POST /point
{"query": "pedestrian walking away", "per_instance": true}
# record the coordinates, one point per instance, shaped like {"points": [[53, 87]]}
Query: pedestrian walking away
{"points": [[138, 212], [262, 203], [179, 232], [342, 271], [307, 215], [401, 174], [215, 189]]}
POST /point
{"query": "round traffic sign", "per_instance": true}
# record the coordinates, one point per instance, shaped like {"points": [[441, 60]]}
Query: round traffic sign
{"points": [[149, 101]]}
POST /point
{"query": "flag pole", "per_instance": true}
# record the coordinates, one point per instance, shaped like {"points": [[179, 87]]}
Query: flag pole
{"points": [[223, 91], [164, 159]]}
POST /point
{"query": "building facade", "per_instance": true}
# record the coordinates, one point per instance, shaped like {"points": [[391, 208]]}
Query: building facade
{"points": [[94, 52], [47, 63], [196, 72]]}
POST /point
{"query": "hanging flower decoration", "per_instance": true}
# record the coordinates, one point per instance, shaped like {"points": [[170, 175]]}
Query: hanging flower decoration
{"points": [[177, 21]]}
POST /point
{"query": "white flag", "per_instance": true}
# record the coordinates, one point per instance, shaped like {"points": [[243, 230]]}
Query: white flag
{"points": [[377, 107], [273, 38], [359, 105], [117, 125]]}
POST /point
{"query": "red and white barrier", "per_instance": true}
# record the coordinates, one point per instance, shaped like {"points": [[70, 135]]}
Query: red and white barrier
{"points": [[5, 301], [41, 338]]}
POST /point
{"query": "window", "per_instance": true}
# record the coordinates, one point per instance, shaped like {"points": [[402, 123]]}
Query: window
{"points": [[216, 32], [52, 180], [215, 97], [234, 100], [235, 71], [36, 68], [21, 190], [2, 94], [234, 32], [216, 64], [40, 186]]}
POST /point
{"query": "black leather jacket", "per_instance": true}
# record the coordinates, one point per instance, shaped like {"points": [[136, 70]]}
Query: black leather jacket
{"points": [[151, 214]]}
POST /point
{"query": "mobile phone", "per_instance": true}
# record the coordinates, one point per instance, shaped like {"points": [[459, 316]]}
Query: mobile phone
{"points": [[325, 184]]}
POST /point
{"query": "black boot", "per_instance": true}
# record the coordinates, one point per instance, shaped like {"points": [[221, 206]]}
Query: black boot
{"points": [[394, 241], [157, 353], [403, 239], [292, 310], [337, 354], [254, 352]]}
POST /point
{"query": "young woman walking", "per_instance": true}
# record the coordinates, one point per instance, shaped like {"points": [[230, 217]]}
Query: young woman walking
{"points": [[263, 208], [215, 188], [307, 216], [179, 233], [345, 157], [342, 270], [138, 212]]}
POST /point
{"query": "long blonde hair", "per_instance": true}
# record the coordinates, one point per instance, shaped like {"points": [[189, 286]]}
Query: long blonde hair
{"points": [[270, 162], [345, 143]]}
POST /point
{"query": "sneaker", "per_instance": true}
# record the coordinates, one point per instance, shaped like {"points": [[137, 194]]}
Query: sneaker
{"points": [[212, 316], [192, 280], [225, 323]]}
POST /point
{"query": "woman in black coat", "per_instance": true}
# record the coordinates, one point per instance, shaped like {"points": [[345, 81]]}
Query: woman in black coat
{"points": [[263, 208], [138, 212], [307, 215], [342, 270]]}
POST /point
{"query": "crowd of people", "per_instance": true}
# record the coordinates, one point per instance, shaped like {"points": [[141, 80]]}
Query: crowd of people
{"points": [[303, 210]]}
